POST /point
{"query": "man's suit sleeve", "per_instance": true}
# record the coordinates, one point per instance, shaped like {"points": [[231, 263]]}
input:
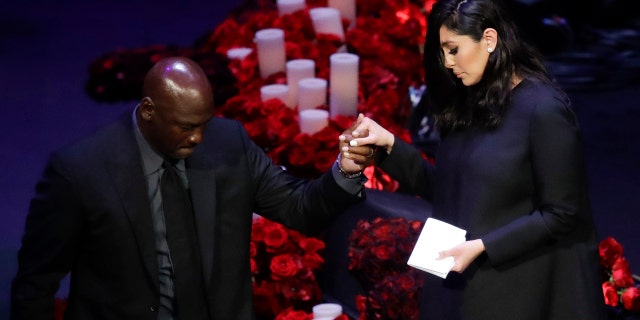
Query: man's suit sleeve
{"points": [[354, 186], [48, 245], [298, 203]]}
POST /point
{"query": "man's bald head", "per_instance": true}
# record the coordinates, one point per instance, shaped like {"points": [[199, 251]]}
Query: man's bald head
{"points": [[177, 105], [176, 77]]}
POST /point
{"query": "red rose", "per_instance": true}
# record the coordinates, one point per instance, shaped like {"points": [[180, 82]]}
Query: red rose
{"points": [[297, 25], [303, 155], [312, 260], [610, 294], [244, 70], [304, 50], [631, 299], [361, 303], [297, 289], [341, 122], [383, 252], [256, 130], [257, 230], [264, 299], [410, 309], [416, 226], [355, 260], [285, 266], [405, 282], [362, 41], [295, 236], [400, 228], [220, 35], [610, 251], [384, 232], [325, 159], [275, 236], [328, 138], [621, 273], [311, 245], [282, 124]]}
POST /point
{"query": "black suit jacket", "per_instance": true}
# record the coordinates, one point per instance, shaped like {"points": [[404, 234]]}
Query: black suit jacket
{"points": [[91, 217]]}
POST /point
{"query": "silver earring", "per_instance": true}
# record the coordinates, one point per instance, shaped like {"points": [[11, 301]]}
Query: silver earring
{"points": [[490, 49]]}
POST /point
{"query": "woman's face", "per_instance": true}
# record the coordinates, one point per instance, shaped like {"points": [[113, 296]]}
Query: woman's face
{"points": [[465, 57]]}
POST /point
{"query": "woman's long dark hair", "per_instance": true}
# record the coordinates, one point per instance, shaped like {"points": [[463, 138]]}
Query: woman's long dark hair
{"points": [[483, 104]]}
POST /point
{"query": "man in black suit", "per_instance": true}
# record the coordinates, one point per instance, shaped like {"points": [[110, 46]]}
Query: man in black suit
{"points": [[101, 211]]}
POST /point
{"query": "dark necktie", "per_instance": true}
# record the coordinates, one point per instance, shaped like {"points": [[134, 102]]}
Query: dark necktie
{"points": [[189, 293]]}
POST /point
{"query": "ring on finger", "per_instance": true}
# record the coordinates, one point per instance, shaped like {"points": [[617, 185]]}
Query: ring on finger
{"points": [[371, 154]]}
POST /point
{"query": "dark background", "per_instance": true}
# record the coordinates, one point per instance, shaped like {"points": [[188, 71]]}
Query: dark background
{"points": [[47, 46]]}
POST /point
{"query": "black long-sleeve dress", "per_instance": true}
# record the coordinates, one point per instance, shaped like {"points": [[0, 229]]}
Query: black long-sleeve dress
{"points": [[522, 189]]}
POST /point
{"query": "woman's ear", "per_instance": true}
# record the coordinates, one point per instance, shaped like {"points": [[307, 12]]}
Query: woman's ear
{"points": [[490, 39]]}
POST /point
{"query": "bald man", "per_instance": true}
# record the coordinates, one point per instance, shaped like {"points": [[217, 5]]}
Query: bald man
{"points": [[99, 211]]}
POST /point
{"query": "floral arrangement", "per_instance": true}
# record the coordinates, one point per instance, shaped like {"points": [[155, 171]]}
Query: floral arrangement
{"points": [[378, 254], [283, 268], [621, 291]]}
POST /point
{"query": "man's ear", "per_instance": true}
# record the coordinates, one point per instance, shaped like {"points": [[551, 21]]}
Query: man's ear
{"points": [[490, 39], [146, 108]]}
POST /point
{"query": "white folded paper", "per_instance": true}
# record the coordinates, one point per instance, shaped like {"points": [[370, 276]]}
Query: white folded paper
{"points": [[435, 236]]}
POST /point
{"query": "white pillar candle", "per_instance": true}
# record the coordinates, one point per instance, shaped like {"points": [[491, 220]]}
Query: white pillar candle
{"points": [[313, 120], [327, 20], [312, 92], [347, 9], [278, 91], [327, 310], [297, 70], [238, 53], [343, 98], [271, 51], [290, 6]]}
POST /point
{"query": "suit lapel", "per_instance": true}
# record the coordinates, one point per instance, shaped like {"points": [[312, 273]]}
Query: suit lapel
{"points": [[203, 196], [129, 181]]}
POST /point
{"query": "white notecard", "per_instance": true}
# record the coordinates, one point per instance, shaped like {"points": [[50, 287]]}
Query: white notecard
{"points": [[435, 236]]}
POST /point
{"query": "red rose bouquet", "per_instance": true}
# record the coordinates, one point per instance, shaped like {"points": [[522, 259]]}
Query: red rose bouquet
{"points": [[283, 266], [621, 291], [378, 253]]}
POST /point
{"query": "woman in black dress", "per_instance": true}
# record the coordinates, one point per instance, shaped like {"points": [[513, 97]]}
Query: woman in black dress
{"points": [[509, 170]]}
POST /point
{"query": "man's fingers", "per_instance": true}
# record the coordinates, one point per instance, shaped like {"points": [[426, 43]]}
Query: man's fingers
{"points": [[361, 133]]}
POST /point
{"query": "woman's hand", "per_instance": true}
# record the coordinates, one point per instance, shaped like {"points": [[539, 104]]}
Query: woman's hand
{"points": [[463, 254], [368, 132]]}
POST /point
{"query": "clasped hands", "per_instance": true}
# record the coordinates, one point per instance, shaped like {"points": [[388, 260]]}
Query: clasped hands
{"points": [[358, 145], [360, 142], [353, 157]]}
